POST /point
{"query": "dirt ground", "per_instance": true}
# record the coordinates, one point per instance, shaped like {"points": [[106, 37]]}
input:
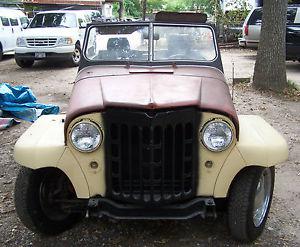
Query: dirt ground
{"points": [[51, 83]]}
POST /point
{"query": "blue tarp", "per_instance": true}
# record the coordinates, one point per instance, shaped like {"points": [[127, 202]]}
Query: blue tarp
{"points": [[20, 102]]}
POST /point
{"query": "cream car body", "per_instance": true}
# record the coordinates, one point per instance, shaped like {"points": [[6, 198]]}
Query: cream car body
{"points": [[151, 133]]}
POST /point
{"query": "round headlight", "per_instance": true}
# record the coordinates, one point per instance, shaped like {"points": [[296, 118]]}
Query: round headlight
{"points": [[86, 136], [217, 135]]}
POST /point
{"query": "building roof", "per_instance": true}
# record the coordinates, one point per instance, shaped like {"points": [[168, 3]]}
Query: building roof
{"points": [[65, 2]]}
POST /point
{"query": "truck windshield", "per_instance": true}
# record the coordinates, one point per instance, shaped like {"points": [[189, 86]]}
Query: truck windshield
{"points": [[53, 20], [161, 42]]}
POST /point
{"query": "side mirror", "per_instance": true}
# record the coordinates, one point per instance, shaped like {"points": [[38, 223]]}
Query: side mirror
{"points": [[82, 25], [24, 25]]}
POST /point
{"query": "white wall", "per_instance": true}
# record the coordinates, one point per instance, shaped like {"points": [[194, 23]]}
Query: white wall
{"points": [[107, 10]]}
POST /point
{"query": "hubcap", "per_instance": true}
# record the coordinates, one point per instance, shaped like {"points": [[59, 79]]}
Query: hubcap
{"points": [[76, 55], [262, 197]]}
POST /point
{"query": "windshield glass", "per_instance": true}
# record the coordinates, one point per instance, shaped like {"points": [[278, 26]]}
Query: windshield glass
{"points": [[118, 43], [53, 20], [184, 43], [164, 43]]}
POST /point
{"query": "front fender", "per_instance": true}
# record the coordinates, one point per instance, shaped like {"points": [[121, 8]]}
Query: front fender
{"points": [[42, 146], [259, 145]]}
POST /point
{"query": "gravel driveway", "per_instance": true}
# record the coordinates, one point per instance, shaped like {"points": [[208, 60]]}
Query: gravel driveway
{"points": [[52, 83]]}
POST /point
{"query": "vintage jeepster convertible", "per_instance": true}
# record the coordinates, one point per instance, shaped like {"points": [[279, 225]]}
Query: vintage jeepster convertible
{"points": [[151, 133]]}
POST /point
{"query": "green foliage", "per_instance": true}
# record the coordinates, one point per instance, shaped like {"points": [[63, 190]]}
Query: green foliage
{"points": [[237, 16], [133, 8]]}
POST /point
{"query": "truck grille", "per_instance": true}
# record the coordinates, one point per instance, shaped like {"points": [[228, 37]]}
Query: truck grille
{"points": [[151, 157], [41, 42]]}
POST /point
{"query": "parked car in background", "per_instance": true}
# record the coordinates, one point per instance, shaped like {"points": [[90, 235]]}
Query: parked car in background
{"points": [[252, 29], [12, 23], [53, 35]]}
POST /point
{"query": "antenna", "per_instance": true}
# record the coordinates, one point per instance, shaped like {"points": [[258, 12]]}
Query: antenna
{"points": [[233, 81]]}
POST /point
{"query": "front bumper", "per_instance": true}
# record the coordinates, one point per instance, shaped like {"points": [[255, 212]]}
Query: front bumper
{"points": [[48, 56], [248, 43], [57, 52], [200, 206]]}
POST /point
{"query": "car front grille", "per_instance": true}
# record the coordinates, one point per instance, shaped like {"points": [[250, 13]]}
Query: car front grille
{"points": [[41, 42], [151, 157]]}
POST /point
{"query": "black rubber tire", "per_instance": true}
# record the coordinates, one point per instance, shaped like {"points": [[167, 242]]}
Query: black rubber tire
{"points": [[73, 62], [28, 204], [24, 63], [241, 203], [1, 52]]}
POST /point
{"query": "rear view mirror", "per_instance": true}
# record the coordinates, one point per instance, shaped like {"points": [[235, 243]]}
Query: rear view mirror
{"points": [[146, 35], [82, 25]]}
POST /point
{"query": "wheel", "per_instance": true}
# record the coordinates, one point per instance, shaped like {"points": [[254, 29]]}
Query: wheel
{"points": [[249, 203], [24, 63], [1, 52], [38, 201], [76, 57]]}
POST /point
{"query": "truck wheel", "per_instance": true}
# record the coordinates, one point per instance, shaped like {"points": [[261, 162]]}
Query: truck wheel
{"points": [[24, 63], [1, 52], [76, 57], [249, 203], [38, 196]]}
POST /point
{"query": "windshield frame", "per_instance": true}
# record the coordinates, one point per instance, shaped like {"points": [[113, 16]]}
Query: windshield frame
{"points": [[216, 62]]}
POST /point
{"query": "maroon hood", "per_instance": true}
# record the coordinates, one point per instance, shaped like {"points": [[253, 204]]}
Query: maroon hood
{"points": [[97, 88]]}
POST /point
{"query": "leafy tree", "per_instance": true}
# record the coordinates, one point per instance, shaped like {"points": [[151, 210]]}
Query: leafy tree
{"points": [[133, 8]]}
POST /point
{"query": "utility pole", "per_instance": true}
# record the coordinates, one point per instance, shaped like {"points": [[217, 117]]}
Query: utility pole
{"points": [[144, 8]]}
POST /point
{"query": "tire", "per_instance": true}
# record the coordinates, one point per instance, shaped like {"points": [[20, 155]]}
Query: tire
{"points": [[243, 224], [76, 57], [1, 52], [24, 63], [33, 206]]}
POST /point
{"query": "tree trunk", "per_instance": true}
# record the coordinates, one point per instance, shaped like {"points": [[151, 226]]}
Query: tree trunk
{"points": [[270, 66], [121, 10], [144, 8]]}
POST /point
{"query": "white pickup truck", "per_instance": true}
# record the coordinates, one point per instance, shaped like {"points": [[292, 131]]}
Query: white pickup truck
{"points": [[53, 35]]}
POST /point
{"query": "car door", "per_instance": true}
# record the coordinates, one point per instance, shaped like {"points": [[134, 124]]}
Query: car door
{"points": [[16, 29], [6, 33], [82, 23], [254, 26], [293, 27]]}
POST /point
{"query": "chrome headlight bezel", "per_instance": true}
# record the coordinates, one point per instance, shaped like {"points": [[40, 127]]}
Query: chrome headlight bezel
{"points": [[224, 124], [91, 124]]}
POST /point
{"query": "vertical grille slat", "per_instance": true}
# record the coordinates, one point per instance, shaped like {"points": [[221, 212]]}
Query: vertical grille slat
{"points": [[183, 158], [130, 159], [151, 156], [173, 161], [140, 162]]}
